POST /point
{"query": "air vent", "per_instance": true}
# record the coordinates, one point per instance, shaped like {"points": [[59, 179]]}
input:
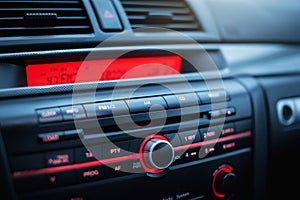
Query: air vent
{"points": [[171, 14], [43, 17]]}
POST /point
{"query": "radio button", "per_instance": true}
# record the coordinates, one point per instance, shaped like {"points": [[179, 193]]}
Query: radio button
{"points": [[113, 150], [61, 179], [58, 158], [182, 100], [231, 145], [73, 112], [83, 155], [50, 137], [135, 166], [228, 129], [49, 115], [191, 155], [72, 134], [189, 137], [115, 169], [145, 104], [222, 113], [207, 150], [213, 96], [90, 174], [210, 133], [106, 109]]}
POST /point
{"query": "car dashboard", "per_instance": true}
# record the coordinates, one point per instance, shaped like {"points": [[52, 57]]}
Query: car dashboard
{"points": [[152, 99]]}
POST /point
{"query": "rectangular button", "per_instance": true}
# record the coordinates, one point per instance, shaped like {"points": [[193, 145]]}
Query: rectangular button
{"points": [[191, 155], [61, 178], [49, 115], [90, 174], [106, 109], [72, 134], [50, 137], [232, 145], [210, 133], [144, 104], [116, 149], [228, 129], [134, 166], [213, 96], [73, 112], [207, 150], [182, 100], [83, 155], [189, 137], [115, 169], [58, 158], [107, 15], [222, 113]]}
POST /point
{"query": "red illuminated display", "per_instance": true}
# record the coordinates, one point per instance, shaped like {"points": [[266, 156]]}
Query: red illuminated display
{"points": [[96, 70]]}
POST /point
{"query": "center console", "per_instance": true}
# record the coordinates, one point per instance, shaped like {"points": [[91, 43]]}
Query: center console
{"points": [[159, 141]]}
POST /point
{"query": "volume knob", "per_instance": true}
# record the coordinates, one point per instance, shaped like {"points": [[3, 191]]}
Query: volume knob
{"points": [[225, 182], [158, 154]]}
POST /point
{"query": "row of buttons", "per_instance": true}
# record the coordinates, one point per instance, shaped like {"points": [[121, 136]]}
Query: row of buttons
{"points": [[74, 176], [121, 107], [209, 150], [91, 171], [59, 136], [116, 169], [74, 134], [123, 148]]}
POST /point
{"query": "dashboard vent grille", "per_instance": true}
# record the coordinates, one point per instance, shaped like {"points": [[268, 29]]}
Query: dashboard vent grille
{"points": [[171, 14], [40, 17]]}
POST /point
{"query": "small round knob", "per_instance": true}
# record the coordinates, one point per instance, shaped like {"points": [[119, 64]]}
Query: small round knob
{"points": [[225, 182], [158, 154]]}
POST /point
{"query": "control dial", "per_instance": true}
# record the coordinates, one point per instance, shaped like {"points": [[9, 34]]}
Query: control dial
{"points": [[158, 154], [225, 182]]}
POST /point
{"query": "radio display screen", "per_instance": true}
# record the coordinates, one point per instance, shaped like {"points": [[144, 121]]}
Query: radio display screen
{"points": [[96, 70]]}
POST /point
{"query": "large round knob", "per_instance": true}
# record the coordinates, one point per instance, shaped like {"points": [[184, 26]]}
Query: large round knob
{"points": [[225, 182], [158, 154]]}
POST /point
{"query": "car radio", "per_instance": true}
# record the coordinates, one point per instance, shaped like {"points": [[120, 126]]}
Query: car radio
{"points": [[156, 143]]}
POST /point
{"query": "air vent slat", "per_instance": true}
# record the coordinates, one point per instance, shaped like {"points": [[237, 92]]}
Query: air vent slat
{"points": [[43, 17], [167, 4], [171, 14], [178, 27], [39, 9], [43, 28], [144, 9]]}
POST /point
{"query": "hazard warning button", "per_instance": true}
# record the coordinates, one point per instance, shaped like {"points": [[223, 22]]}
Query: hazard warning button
{"points": [[107, 15]]}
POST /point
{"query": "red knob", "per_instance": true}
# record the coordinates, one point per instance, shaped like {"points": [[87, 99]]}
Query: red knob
{"points": [[225, 182]]}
